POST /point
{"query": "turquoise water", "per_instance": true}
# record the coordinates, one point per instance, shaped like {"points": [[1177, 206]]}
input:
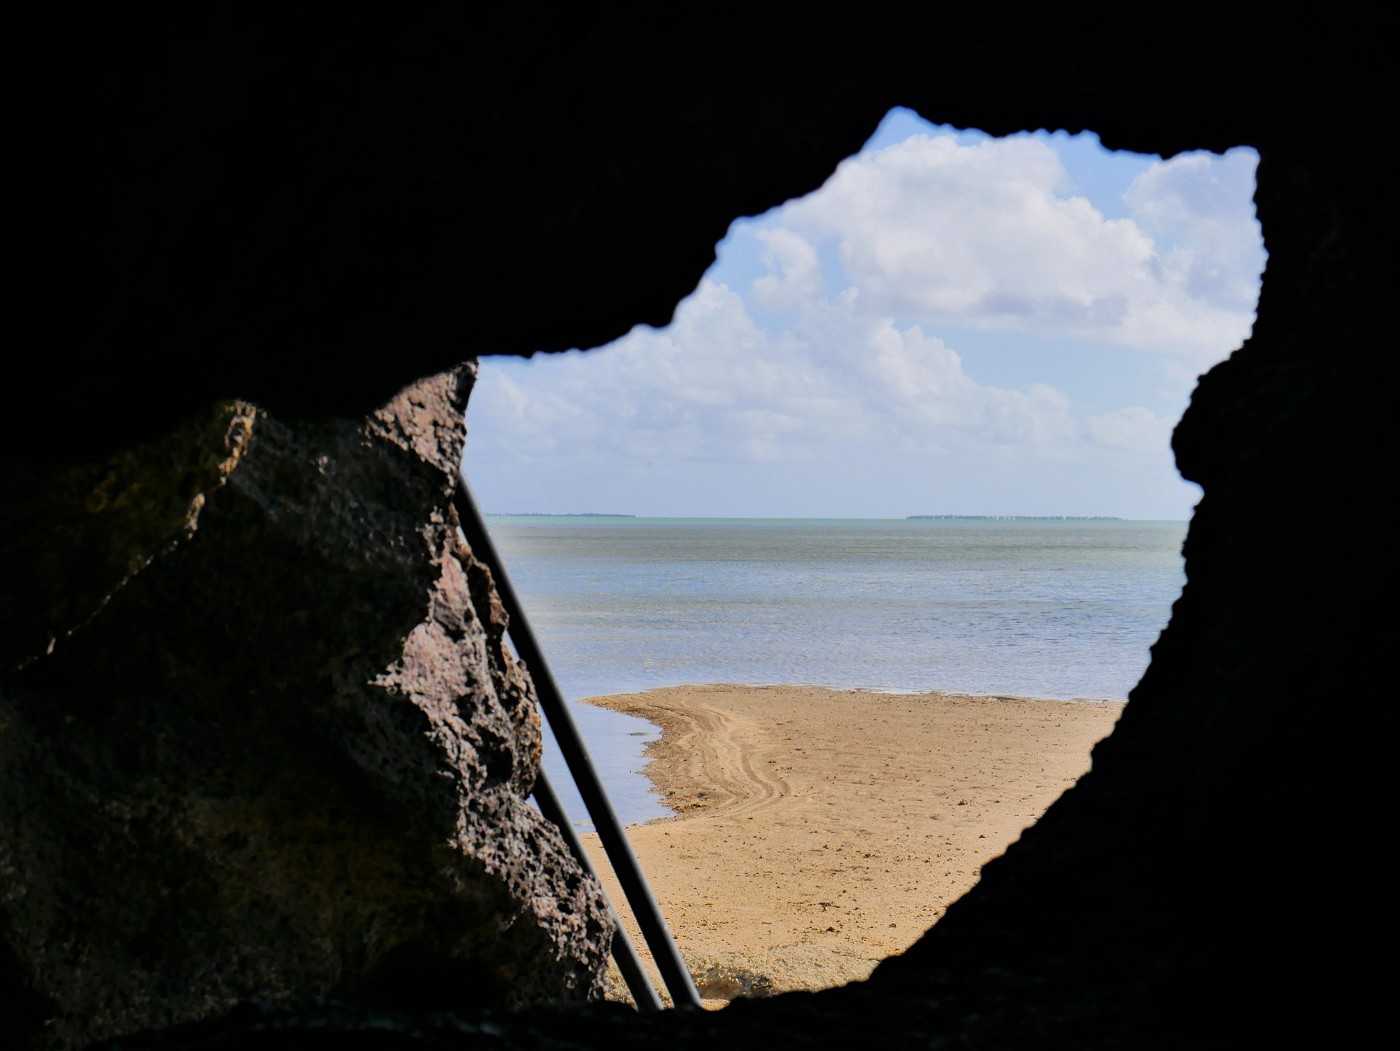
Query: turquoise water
{"points": [[1042, 608]]}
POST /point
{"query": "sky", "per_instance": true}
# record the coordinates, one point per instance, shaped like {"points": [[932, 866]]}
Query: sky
{"points": [[951, 324]]}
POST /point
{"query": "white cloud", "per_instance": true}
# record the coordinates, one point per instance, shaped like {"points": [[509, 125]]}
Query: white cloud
{"points": [[796, 278], [782, 395], [1134, 429], [1202, 206], [984, 235], [714, 387]]}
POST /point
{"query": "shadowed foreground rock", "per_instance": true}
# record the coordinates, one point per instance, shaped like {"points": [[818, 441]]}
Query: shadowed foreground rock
{"points": [[285, 753], [311, 209]]}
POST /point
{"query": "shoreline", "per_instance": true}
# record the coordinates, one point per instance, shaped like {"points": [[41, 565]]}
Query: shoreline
{"points": [[818, 831]]}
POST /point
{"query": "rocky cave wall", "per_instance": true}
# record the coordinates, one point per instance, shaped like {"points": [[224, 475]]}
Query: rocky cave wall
{"points": [[309, 212], [283, 751]]}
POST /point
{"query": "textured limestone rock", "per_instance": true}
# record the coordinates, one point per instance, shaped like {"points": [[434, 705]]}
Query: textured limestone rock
{"points": [[276, 749]]}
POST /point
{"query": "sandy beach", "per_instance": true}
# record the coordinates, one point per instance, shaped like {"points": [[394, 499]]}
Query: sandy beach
{"points": [[819, 831]]}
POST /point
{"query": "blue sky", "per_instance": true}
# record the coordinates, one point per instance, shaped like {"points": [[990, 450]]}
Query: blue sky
{"points": [[951, 324]]}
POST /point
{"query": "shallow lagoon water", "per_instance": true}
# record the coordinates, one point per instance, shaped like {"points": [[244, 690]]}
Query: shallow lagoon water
{"points": [[1046, 608]]}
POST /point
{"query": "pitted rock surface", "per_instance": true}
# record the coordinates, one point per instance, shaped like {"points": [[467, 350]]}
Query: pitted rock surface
{"points": [[288, 757]]}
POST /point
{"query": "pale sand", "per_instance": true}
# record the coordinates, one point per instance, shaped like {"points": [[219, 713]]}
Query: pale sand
{"points": [[819, 831]]}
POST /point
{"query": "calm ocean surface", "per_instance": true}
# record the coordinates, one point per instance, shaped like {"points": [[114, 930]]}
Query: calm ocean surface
{"points": [[1039, 608]]}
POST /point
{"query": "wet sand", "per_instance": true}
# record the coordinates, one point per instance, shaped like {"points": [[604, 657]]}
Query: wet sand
{"points": [[819, 831]]}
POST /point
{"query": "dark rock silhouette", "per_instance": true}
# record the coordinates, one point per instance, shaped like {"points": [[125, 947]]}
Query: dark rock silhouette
{"points": [[287, 756], [308, 211]]}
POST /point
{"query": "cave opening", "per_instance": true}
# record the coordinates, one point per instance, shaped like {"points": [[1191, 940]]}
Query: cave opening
{"points": [[911, 433]]}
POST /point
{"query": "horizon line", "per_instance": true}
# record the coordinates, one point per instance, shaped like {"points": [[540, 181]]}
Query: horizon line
{"points": [[855, 518]]}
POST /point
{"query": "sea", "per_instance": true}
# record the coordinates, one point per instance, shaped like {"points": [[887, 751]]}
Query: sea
{"points": [[1052, 608]]}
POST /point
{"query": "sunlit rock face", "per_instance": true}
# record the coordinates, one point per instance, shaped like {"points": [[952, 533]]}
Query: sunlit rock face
{"points": [[283, 752]]}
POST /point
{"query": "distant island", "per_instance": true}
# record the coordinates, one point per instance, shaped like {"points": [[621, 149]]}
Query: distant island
{"points": [[1018, 518], [547, 514]]}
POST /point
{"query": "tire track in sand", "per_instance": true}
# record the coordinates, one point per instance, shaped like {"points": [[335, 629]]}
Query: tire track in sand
{"points": [[708, 763]]}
